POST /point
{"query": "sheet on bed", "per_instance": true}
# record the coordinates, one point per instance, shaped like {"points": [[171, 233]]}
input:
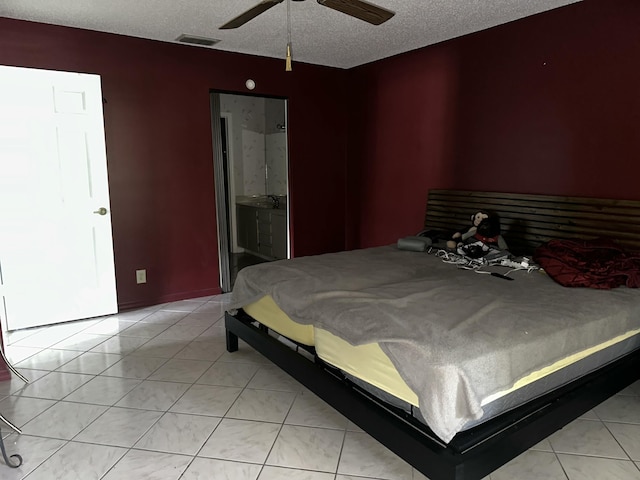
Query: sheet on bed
{"points": [[453, 335]]}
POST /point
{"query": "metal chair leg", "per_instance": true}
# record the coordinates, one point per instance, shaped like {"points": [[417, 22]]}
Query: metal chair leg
{"points": [[12, 368], [10, 425], [7, 459]]}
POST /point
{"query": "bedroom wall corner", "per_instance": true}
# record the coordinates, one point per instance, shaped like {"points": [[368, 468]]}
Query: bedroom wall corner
{"points": [[547, 104], [159, 148], [400, 142]]}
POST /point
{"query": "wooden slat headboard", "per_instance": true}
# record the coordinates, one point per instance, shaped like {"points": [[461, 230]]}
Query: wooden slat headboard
{"points": [[527, 221]]}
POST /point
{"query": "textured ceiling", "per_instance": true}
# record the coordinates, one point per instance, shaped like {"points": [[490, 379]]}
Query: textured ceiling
{"points": [[320, 35]]}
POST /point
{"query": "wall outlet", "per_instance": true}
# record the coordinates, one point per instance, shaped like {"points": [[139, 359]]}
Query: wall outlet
{"points": [[141, 276]]}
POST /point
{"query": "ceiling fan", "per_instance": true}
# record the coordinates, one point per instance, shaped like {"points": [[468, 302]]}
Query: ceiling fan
{"points": [[356, 8]]}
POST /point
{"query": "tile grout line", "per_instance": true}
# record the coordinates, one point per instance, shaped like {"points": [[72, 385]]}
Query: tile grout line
{"points": [[173, 404], [260, 367]]}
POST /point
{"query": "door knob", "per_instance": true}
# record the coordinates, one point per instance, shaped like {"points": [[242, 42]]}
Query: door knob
{"points": [[101, 211]]}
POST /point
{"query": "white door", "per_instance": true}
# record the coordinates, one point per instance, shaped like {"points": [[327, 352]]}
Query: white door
{"points": [[56, 249]]}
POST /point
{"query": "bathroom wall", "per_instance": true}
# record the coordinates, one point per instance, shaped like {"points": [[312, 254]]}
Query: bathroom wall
{"points": [[257, 136], [246, 129], [276, 158], [276, 146]]}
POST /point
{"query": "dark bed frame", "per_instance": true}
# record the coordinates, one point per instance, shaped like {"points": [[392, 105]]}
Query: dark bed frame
{"points": [[474, 453]]}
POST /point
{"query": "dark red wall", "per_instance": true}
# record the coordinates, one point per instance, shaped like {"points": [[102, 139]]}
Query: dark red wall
{"points": [[159, 148], [548, 104]]}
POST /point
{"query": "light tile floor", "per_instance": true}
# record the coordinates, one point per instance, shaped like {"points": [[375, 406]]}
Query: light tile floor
{"points": [[153, 394]]}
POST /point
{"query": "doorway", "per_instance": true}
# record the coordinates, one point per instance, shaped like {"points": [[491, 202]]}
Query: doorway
{"points": [[56, 248], [251, 180]]}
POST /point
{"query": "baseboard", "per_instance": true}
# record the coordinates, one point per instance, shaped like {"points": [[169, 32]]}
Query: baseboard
{"points": [[173, 297]]}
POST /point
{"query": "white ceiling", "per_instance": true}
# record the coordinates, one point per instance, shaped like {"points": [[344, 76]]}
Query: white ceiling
{"points": [[320, 35]]}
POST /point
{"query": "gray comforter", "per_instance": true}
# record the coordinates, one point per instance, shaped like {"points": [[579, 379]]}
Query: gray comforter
{"points": [[454, 336]]}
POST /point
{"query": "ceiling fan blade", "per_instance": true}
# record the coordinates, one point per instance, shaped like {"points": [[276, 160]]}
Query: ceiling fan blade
{"points": [[360, 9], [250, 14]]}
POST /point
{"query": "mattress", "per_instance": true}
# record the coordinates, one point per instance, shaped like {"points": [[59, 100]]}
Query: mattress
{"points": [[369, 367], [459, 340], [269, 314]]}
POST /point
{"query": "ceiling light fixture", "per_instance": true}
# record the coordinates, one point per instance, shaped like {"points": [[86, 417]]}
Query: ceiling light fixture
{"points": [[287, 65]]}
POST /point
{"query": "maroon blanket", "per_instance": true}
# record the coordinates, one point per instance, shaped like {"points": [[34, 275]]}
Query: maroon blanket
{"points": [[589, 263]]}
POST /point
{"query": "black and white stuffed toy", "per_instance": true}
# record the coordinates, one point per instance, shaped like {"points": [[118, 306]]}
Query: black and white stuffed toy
{"points": [[483, 236]]}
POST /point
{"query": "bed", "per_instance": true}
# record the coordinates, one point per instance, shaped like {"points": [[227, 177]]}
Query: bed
{"points": [[461, 406]]}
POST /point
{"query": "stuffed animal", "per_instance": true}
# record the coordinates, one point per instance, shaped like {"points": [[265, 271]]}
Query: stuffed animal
{"points": [[459, 237], [484, 232]]}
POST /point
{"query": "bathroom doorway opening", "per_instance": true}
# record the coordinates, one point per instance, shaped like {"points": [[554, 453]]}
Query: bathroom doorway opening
{"points": [[251, 180]]}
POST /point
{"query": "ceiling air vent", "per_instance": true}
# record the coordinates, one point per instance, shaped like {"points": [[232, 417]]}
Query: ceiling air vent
{"points": [[193, 40]]}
